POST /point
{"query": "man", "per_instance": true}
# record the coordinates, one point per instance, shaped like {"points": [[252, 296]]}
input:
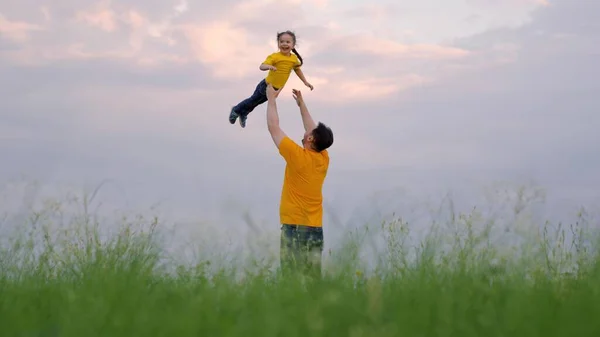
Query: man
{"points": [[301, 206]]}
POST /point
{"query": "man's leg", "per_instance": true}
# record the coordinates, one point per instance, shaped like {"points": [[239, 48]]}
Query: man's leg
{"points": [[288, 255], [314, 251], [301, 250], [246, 106], [309, 250]]}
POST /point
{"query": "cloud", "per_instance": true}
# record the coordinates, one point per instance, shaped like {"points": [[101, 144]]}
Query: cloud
{"points": [[385, 48], [103, 30], [532, 102], [212, 45], [374, 12], [100, 16], [155, 36], [361, 90], [17, 31], [508, 3]]}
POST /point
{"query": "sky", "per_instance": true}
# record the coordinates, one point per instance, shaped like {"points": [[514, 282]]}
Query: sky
{"points": [[424, 97]]}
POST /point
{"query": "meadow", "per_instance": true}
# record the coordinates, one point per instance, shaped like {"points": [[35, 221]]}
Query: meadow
{"points": [[75, 281]]}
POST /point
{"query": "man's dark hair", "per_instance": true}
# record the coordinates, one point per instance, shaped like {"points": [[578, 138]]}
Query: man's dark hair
{"points": [[323, 137]]}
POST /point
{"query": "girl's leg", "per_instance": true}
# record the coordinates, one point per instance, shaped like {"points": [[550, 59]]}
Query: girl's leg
{"points": [[245, 107]]}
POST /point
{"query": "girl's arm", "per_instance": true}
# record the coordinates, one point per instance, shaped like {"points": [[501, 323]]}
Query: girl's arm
{"points": [[268, 64], [265, 67], [301, 76]]}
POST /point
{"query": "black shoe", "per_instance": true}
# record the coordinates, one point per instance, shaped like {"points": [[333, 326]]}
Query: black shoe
{"points": [[233, 116]]}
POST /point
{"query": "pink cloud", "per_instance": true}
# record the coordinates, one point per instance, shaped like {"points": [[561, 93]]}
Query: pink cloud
{"points": [[17, 31], [212, 45], [381, 47], [496, 55], [46, 13], [320, 4], [507, 3], [227, 49], [375, 12], [135, 19], [131, 45], [78, 51], [344, 83], [110, 17], [137, 22], [230, 49], [100, 16], [344, 90]]}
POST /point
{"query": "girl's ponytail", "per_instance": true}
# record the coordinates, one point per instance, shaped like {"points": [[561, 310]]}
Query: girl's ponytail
{"points": [[299, 57]]}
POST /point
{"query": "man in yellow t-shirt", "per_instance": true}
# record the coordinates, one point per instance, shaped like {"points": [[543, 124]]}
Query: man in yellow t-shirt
{"points": [[301, 206]]}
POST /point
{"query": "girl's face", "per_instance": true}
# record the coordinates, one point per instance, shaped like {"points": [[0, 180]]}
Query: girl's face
{"points": [[286, 43]]}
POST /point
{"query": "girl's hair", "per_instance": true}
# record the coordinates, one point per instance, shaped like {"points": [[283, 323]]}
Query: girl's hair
{"points": [[290, 33]]}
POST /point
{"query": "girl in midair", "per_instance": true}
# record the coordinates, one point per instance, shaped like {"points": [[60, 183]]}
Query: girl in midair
{"points": [[280, 66]]}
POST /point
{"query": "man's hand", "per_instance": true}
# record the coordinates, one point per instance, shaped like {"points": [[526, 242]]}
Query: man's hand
{"points": [[271, 92], [297, 94], [309, 85], [309, 123]]}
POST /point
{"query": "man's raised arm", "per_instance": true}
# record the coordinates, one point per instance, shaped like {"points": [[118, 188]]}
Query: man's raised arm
{"points": [[309, 123], [273, 117]]}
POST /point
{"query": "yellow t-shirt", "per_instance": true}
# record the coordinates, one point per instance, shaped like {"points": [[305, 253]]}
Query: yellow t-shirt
{"points": [[301, 195], [284, 65]]}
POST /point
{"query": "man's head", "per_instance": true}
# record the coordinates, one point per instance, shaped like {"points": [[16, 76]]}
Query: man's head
{"points": [[319, 139]]}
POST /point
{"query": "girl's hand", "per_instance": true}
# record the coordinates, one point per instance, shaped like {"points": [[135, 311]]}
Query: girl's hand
{"points": [[309, 85]]}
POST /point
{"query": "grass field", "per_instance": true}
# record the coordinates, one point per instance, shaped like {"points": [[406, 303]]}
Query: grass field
{"points": [[71, 283]]}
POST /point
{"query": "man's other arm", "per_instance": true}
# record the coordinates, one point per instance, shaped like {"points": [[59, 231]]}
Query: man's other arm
{"points": [[309, 123]]}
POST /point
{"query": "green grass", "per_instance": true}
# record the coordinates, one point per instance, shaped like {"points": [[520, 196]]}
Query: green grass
{"points": [[74, 283]]}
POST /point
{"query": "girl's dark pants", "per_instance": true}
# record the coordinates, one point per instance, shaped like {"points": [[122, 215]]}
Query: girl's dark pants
{"points": [[301, 249], [245, 107]]}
